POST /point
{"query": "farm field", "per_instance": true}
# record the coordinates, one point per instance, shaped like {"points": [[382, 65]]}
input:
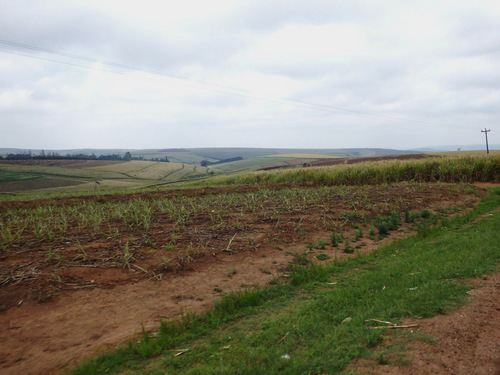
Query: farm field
{"points": [[94, 271], [82, 175], [83, 274]]}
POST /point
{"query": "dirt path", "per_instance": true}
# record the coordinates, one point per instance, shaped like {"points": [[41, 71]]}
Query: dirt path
{"points": [[467, 341], [45, 338]]}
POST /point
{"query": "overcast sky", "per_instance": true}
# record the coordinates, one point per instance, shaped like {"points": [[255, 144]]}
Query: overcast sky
{"points": [[253, 73]]}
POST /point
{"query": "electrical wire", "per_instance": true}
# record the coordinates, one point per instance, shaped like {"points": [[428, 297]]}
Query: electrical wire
{"points": [[201, 85]]}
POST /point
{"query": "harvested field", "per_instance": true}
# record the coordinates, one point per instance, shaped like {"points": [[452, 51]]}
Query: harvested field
{"points": [[37, 183], [80, 275]]}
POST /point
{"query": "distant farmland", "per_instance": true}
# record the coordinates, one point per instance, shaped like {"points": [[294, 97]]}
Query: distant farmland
{"points": [[89, 175]]}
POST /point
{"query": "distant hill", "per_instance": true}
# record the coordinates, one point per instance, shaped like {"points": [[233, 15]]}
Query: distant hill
{"points": [[196, 155], [457, 147]]}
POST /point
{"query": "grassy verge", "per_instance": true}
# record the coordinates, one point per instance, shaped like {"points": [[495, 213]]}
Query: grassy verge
{"points": [[316, 323]]}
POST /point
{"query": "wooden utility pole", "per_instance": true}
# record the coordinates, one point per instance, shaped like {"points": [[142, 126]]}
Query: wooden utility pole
{"points": [[486, 131]]}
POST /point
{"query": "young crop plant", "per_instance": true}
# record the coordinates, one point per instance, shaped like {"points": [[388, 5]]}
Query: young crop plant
{"points": [[372, 231], [358, 234], [184, 258], [333, 239], [82, 254], [54, 256], [126, 256], [407, 215], [9, 235], [165, 263]]}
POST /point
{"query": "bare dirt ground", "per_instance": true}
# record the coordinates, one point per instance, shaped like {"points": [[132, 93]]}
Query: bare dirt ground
{"points": [[464, 342], [60, 304]]}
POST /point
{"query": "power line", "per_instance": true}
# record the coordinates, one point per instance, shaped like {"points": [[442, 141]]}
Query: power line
{"points": [[206, 86], [486, 131]]}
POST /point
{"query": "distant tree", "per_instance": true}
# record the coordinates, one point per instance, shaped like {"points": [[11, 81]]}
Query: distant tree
{"points": [[204, 163], [128, 156]]}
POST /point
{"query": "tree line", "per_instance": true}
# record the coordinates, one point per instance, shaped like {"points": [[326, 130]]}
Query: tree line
{"points": [[56, 156]]}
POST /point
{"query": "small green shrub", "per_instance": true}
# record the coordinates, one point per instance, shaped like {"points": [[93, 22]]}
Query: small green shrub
{"points": [[322, 257], [425, 214]]}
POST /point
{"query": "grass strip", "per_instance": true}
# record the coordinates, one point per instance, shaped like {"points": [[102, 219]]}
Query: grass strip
{"points": [[317, 322]]}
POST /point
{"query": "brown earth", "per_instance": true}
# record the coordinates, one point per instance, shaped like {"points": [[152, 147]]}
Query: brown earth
{"points": [[37, 183], [60, 304]]}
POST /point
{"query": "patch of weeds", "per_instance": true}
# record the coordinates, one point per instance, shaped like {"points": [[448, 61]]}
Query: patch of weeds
{"points": [[472, 191], [410, 217], [217, 289], [302, 232], [267, 272], [232, 272], [425, 214], [320, 245], [348, 249], [350, 216], [381, 359], [322, 257], [384, 224], [301, 259]]}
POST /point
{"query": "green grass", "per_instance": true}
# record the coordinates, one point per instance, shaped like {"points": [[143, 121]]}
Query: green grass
{"points": [[10, 176], [316, 323]]}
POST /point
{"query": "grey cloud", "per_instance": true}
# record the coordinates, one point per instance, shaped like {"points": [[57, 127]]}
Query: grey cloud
{"points": [[266, 16], [93, 34], [477, 34]]}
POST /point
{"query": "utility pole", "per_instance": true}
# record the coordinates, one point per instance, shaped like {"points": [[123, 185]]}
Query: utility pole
{"points": [[486, 131]]}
